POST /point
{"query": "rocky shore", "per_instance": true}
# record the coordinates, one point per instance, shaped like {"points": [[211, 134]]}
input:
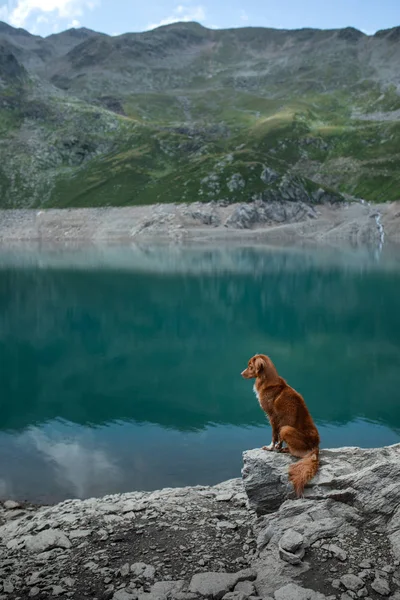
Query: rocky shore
{"points": [[243, 539], [267, 222]]}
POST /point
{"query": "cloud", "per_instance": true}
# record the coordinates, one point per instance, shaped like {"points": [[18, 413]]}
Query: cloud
{"points": [[244, 16], [29, 13], [182, 14], [74, 23], [76, 463]]}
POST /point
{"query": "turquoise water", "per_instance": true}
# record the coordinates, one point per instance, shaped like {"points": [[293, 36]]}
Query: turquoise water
{"points": [[120, 367]]}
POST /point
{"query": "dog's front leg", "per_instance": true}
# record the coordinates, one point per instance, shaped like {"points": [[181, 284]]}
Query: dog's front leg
{"points": [[276, 443]]}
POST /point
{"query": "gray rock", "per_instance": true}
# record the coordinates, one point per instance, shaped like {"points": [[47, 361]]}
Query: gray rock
{"points": [[124, 570], [265, 480], [235, 596], [224, 497], [268, 176], [352, 582], [57, 590], [8, 587], [34, 591], [123, 595], [226, 525], [46, 540], [140, 569], [295, 592], [163, 589], [366, 564], [11, 505], [216, 585], [350, 474], [291, 540], [388, 569], [381, 586], [293, 558], [245, 587], [336, 551], [79, 533]]}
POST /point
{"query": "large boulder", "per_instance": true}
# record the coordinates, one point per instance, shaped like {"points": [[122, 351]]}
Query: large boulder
{"points": [[354, 489], [366, 477]]}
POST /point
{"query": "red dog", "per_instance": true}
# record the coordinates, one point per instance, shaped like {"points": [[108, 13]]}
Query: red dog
{"points": [[290, 420]]}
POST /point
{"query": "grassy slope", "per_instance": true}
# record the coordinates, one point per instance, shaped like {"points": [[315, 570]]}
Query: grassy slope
{"points": [[187, 146], [315, 136]]}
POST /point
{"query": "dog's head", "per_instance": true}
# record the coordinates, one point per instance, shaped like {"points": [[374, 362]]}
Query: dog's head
{"points": [[260, 366]]}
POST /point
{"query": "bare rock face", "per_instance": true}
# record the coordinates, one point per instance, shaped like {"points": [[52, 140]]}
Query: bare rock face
{"points": [[354, 497], [350, 475], [247, 216]]}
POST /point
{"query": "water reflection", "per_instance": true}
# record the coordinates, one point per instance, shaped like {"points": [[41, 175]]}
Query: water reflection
{"points": [[119, 368]]}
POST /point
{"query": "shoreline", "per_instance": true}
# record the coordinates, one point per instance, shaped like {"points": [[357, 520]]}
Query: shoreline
{"points": [[280, 223], [243, 539]]}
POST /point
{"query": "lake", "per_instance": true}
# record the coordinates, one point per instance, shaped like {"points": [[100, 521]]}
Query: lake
{"points": [[120, 366]]}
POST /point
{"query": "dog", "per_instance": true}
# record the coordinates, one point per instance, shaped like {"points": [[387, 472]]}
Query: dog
{"points": [[290, 420]]}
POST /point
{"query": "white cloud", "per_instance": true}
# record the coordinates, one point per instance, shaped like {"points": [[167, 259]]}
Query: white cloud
{"points": [[29, 13], [182, 13], [244, 16], [42, 19], [74, 23], [76, 463]]}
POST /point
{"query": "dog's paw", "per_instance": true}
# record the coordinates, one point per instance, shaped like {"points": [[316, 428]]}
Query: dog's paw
{"points": [[269, 448]]}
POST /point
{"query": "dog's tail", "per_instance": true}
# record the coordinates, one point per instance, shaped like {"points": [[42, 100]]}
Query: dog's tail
{"points": [[303, 471]]}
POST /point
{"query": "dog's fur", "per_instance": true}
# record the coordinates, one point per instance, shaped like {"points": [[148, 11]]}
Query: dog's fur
{"points": [[290, 420]]}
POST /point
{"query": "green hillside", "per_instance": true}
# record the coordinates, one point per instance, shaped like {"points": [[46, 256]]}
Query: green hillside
{"points": [[183, 113]]}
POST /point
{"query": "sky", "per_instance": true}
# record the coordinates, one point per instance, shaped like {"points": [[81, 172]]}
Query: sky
{"points": [[44, 17]]}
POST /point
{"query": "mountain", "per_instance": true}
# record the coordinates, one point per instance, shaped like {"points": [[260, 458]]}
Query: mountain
{"points": [[188, 113]]}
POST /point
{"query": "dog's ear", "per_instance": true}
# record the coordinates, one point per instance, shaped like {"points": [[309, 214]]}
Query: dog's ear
{"points": [[259, 365]]}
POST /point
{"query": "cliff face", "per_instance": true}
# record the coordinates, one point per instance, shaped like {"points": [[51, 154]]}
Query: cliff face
{"points": [[187, 113]]}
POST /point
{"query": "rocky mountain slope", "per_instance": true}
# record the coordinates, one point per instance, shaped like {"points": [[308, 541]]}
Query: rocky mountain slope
{"points": [[183, 113]]}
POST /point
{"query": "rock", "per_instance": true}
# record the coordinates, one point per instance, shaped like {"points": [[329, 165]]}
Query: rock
{"points": [[224, 497], [293, 558], [123, 595], [235, 596], [79, 533], [366, 564], [268, 176], [226, 525], [164, 589], [57, 590], [352, 582], [295, 592], [350, 474], [381, 586], [45, 540], [336, 551], [265, 480], [291, 540], [11, 505], [34, 591], [216, 585], [8, 587], [245, 587], [124, 570], [142, 570], [388, 569], [291, 547]]}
